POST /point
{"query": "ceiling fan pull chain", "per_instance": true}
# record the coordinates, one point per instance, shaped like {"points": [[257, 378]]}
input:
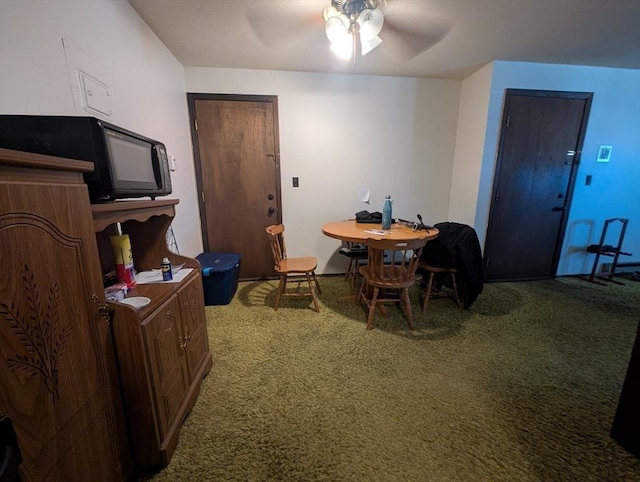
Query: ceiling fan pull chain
{"points": [[354, 40]]}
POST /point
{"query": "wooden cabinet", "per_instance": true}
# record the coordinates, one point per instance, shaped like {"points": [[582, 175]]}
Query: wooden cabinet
{"points": [[58, 377], [162, 348], [165, 341], [191, 301]]}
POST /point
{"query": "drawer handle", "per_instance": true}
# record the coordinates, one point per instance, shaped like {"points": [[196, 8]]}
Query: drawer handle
{"points": [[185, 342]]}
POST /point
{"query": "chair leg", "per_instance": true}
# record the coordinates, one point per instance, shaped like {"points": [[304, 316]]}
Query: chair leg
{"points": [[372, 308], [354, 273], [428, 294], [349, 269], [312, 289], [281, 287], [360, 292], [455, 290], [315, 279], [407, 307]]}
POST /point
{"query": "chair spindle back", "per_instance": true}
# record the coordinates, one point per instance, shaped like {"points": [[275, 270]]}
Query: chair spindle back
{"points": [[276, 240], [400, 265]]}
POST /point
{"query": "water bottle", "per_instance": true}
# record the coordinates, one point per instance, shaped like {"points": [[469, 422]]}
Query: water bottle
{"points": [[165, 266], [386, 213]]}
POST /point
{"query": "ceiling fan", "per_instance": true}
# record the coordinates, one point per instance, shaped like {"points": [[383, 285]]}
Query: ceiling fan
{"points": [[353, 28], [353, 25]]}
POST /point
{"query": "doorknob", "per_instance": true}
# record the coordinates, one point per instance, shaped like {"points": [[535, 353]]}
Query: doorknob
{"points": [[271, 211], [559, 208]]}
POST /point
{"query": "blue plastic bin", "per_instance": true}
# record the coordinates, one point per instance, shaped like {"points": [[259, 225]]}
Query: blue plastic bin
{"points": [[219, 276]]}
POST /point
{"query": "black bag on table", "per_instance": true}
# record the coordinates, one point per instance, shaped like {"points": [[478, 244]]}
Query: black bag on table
{"points": [[367, 217]]}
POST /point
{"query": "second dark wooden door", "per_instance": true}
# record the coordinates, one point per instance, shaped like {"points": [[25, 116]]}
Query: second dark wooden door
{"points": [[238, 172], [540, 144]]}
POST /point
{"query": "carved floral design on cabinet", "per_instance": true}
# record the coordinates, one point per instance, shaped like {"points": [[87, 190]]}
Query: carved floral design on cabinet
{"points": [[41, 332], [193, 304], [167, 339]]}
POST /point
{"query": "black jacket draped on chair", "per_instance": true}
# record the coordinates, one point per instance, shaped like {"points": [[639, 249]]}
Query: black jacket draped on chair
{"points": [[458, 246]]}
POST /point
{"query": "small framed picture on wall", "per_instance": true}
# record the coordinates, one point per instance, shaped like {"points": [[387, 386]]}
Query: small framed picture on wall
{"points": [[604, 153]]}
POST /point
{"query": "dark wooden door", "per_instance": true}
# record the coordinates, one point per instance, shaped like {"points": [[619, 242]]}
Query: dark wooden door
{"points": [[238, 174], [540, 145]]}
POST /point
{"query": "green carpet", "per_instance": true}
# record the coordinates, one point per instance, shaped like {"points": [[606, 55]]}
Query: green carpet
{"points": [[523, 386]]}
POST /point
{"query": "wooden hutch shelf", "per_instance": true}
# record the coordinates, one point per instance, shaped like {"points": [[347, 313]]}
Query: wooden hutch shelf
{"points": [[162, 348]]}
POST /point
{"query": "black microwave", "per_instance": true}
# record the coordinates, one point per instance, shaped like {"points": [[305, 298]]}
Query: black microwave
{"points": [[126, 164]]}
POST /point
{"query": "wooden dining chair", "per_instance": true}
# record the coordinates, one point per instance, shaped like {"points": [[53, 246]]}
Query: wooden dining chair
{"points": [[388, 275], [357, 254], [452, 265], [292, 269], [434, 291]]}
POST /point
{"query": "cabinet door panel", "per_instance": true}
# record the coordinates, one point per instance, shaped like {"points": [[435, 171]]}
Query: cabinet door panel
{"points": [[166, 350], [191, 299], [57, 372]]}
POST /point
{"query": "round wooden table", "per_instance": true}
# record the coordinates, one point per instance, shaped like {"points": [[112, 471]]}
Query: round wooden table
{"points": [[349, 230]]}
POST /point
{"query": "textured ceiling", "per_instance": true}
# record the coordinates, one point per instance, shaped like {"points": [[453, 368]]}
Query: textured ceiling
{"points": [[462, 35]]}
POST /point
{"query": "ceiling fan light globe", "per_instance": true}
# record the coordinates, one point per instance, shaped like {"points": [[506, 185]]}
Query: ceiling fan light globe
{"points": [[368, 44], [336, 28], [370, 22], [329, 12], [342, 49], [378, 4]]}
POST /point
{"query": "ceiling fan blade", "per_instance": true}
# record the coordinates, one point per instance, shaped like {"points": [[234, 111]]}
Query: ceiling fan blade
{"points": [[406, 45], [408, 32], [280, 26]]}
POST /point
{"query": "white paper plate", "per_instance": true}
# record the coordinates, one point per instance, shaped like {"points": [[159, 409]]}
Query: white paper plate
{"points": [[136, 301]]}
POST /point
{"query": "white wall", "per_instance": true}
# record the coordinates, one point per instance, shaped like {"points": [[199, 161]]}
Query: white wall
{"points": [[146, 81], [340, 132], [470, 140], [614, 119], [337, 132]]}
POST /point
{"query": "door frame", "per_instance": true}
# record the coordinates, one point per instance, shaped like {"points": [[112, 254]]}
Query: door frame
{"points": [[573, 175], [191, 102]]}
